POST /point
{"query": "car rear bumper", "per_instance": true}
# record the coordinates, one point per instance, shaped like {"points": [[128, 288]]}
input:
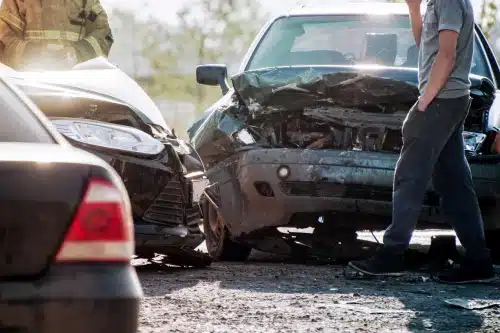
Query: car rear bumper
{"points": [[73, 298], [323, 181]]}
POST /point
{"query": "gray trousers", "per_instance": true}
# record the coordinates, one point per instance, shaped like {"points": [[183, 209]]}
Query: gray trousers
{"points": [[433, 148]]}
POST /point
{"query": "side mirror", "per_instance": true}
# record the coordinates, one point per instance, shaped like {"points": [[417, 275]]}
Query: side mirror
{"points": [[487, 86], [213, 75]]}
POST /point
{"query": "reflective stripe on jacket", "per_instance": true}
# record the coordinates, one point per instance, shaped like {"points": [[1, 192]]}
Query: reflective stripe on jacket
{"points": [[27, 26]]}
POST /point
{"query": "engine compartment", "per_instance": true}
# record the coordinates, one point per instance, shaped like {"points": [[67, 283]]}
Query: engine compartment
{"points": [[342, 128], [345, 130], [343, 110]]}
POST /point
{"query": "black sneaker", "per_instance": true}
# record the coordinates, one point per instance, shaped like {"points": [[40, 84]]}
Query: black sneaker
{"points": [[469, 272], [383, 263]]}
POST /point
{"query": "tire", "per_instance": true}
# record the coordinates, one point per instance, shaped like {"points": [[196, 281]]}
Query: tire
{"points": [[493, 243], [219, 245]]}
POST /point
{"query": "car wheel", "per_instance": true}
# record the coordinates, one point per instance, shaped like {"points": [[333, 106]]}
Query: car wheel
{"points": [[493, 243], [219, 245]]}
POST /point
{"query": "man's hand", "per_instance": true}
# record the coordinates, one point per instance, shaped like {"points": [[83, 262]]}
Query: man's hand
{"points": [[423, 103], [441, 68]]}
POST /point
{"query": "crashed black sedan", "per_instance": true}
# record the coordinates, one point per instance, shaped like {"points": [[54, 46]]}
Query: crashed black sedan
{"points": [[310, 131], [98, 108]]}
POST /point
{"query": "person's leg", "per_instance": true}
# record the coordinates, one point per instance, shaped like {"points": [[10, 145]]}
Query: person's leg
{"points": [[453, 181], [424, 136]]}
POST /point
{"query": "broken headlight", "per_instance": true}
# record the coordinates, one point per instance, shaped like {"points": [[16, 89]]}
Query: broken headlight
{"points": [[473, 141], [104, 135], [245, 137]]}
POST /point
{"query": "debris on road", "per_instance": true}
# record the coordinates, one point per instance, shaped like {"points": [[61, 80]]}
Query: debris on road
{"points": [[365, 309], [181, 257], [246, 298], [471, 304]]}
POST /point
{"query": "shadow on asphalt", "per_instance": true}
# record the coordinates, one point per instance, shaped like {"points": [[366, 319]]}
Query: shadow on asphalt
{"points": [[266, 273]]}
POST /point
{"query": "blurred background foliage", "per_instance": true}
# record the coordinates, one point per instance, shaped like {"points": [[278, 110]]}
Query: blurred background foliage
{"points": [[488, 17], [207, 31]]}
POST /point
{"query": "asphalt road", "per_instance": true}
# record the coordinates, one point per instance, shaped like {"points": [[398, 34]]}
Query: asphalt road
{"points": [[265, 296]]}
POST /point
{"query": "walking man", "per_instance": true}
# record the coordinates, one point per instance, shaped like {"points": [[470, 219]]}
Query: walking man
{"points": [[433, 145], [53, 34]]}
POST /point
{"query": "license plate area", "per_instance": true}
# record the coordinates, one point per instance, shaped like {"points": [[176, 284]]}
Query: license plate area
{"points": [[199, 186]]}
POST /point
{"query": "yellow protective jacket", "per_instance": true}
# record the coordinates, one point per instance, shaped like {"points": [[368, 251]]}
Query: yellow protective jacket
{"points": [[28, 26]]}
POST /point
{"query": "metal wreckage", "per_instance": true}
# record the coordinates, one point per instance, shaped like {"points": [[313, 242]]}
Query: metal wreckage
{"points": [[302, 147], [98, 108]]}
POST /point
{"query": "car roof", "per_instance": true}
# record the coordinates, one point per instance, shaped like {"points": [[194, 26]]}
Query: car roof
{"points": [[356, 8]]}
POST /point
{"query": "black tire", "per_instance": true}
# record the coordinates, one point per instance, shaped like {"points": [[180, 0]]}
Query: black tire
{"points": [[219, 245], [493, 243]]}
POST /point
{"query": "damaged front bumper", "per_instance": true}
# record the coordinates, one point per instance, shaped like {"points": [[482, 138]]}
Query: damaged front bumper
{"points": [[165, 201], [258, 193], [296, 146]]}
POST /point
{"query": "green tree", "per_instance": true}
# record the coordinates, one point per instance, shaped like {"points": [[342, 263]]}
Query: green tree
{"points": [[131, 35], [488, 17], [209, 31]]}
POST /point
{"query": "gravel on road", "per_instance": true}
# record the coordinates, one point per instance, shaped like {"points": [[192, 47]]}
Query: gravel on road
{"points": [[273, 297]]}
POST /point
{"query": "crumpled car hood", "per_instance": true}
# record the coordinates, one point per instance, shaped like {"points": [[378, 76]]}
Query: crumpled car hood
{"points": [[96, 76], [292, 88], [272, 90], [320, 107]]}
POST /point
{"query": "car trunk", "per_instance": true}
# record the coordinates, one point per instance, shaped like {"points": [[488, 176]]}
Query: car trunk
{"points": [[38, 198]]}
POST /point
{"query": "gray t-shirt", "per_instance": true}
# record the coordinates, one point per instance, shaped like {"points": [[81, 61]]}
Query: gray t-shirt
{"points": [[456, 15]]}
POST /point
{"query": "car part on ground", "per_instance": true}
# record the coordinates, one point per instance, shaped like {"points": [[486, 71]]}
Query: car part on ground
{"points": [[306, 145], [120, 123], [66, 232]]}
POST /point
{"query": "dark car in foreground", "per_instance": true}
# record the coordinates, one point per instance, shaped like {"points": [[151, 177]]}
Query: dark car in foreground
{"points": [[66, 232], [98, 108], [310, 131]]}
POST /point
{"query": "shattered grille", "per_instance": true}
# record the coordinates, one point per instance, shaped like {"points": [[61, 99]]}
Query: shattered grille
{"points": [[193, 218], [348, 191], [168, 207]]}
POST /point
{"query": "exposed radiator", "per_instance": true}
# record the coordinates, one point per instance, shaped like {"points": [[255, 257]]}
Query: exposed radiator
{"points": [[168, 207]]}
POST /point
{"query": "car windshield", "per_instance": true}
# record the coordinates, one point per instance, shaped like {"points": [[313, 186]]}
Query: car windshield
{"points": [[343, 40]]}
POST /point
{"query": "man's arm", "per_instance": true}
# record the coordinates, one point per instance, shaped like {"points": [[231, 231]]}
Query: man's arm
{"points": [[98, 39], [415, 19], [442, 66], [450, 20]]}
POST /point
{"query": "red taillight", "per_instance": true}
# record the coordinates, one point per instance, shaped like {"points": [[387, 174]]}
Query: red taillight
{"points": [[102, 230]]}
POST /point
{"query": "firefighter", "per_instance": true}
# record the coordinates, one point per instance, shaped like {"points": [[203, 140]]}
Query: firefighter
{"points": [[53, 34]]}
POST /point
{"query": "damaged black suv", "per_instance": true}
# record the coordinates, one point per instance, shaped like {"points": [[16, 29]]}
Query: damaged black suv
{"points": [[310, 132]]}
